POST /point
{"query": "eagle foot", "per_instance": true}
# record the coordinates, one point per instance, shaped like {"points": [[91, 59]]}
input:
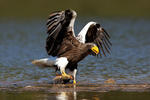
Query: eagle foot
{"points": [[60, 79], [66, 76]]}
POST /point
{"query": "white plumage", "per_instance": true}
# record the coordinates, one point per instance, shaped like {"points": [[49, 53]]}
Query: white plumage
{"points": [[83, 32]]}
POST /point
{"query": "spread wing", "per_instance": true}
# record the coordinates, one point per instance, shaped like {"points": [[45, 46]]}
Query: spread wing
{"points": [[98, 35], [57, 26]]}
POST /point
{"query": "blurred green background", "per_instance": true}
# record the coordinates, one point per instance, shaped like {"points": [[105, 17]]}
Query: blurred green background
{"points": [[103, 8]]}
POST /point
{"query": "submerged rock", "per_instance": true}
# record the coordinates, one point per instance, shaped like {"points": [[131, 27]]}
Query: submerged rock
{"points": [[62, 80], [110, 81], [53, 88]]}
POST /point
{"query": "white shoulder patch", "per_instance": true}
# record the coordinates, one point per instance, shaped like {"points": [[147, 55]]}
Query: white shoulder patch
{"points": [[83, 32], [61, 62]]}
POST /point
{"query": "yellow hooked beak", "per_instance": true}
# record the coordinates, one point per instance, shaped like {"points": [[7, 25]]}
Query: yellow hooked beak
{"points": [[95, 49]]}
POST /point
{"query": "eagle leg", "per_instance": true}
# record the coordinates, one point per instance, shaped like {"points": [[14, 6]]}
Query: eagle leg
{"points": [[74, 75], [61, 63]]}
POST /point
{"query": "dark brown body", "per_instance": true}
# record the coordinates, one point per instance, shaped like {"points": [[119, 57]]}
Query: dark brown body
{"points": [[61, 40], [73, 50]]}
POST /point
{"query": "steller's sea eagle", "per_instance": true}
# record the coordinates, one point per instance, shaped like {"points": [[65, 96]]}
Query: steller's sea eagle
{"points": [[69, 49]]}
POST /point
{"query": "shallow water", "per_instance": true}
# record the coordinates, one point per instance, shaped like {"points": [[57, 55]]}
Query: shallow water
{"points": [[74, 96], [129, 62]]}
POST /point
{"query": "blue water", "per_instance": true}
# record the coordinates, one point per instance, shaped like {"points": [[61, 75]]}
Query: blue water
{"points": [[22, 41]]}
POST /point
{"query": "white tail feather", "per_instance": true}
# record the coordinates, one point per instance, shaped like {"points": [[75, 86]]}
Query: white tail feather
{"points": [[46, 62]]}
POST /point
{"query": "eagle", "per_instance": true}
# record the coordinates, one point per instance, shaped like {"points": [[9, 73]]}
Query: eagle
{"points": [[69, 49]]}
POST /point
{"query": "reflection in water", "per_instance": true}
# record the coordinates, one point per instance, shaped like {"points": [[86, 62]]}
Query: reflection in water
{"points": [[67, 95], [62, 96]]}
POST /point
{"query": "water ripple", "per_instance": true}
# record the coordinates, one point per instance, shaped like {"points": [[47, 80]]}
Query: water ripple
{"points": [[129, 62]]}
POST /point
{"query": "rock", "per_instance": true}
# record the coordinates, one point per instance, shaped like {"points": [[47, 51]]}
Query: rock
{"points": [[110, 81], [62, 80]]}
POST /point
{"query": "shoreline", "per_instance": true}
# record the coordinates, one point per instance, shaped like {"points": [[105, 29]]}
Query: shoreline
{"points": [[54, 88]]}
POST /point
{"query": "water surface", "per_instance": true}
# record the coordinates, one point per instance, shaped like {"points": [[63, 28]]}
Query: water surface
{"points": [[129, 62], [75, 96]]}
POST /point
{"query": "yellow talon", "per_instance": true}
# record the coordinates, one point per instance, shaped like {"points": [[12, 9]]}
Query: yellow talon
{"points": [[66, 75]]}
